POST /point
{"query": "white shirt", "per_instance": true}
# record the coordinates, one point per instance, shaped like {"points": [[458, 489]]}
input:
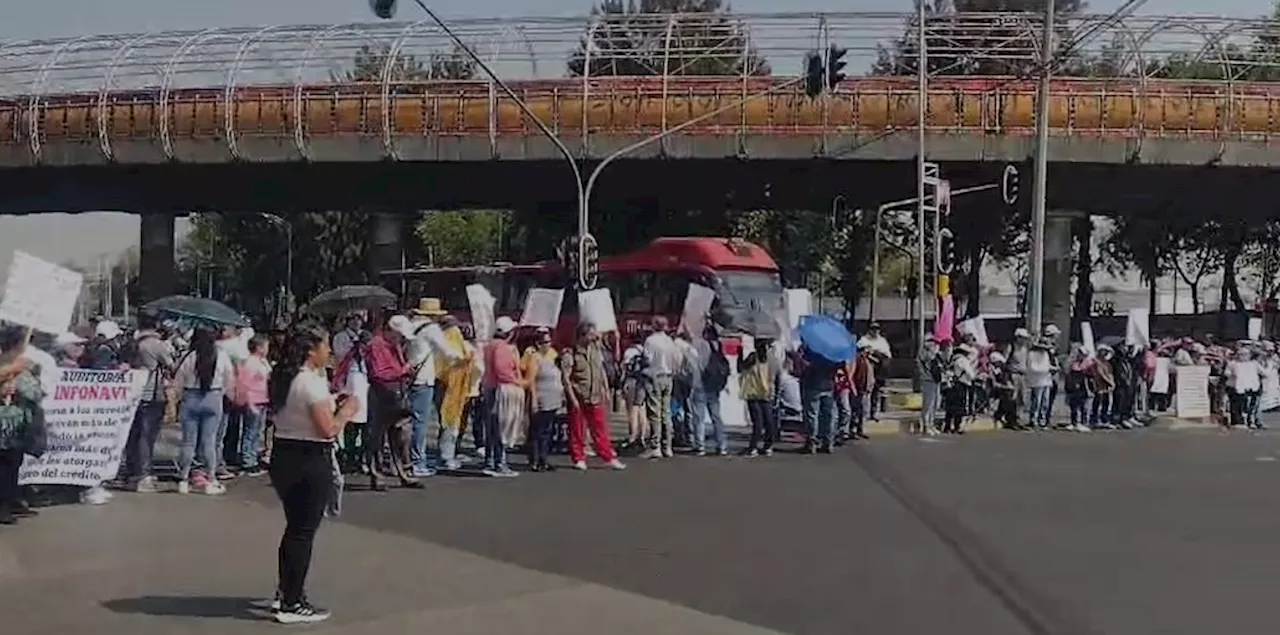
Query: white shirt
{"points": [[1039, 371], [223, 373], [1246, 376], [237, 349], [662, 353], [358, 386], [876, 343], [421, 351], [309, 388], [342, 342]]}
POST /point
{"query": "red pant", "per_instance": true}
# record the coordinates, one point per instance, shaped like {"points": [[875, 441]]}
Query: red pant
{"points": [[579, 419]]}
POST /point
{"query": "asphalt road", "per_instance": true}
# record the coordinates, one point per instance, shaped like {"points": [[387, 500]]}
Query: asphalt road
{"points": [[1127, 533]]}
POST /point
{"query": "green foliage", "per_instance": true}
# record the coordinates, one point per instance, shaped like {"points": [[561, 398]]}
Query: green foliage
{"points": [[631, 40], [371, 61], [464, 237]]}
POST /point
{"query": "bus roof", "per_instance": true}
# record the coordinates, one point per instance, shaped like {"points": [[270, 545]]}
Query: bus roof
{"points": [[676, 253], [493, 268]]}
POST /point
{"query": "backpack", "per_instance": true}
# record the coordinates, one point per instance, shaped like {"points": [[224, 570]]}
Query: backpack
{"points": [[129, 353], [636, 366], [611, 368], [716, 375]]}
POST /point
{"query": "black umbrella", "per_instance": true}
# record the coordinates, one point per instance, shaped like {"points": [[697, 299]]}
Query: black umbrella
{"points": [[198, 309], [351, 298]]}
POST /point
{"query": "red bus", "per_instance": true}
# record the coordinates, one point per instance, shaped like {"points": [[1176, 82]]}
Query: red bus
{"points": [[652, 280]]}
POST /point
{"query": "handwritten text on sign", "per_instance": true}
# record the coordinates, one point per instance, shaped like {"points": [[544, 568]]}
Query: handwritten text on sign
{"points": [[87, 417], [39, 294]]}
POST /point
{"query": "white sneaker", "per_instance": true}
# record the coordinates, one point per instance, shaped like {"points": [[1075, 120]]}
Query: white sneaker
{"points": [[581, 466], [651, 454], [667, 453], [184, 487], [213, 488], [146, 485], [302, 613], [617, 465], [95, 496]]}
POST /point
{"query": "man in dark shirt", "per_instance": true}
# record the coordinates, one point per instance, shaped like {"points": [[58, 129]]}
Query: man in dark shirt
{"points": [[105, 354], [817, 393]]}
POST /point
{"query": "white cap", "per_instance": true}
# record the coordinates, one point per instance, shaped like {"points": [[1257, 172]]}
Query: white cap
{"points": [[401, 325], [504, 325], [1021, 332], [108, 330], [996, 358], [67, 339], [1051, 330]]}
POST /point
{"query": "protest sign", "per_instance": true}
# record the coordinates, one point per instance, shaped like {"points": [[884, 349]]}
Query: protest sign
{"points": [[798, 303], [697, 305], [542, 308], [1086, 338], [1160, 380], [87, 418], [40, 294], [596, 306], [482, 304], [1255, 328], [977, 327], [1270, 398], [1138, 330], [1192, 398]]}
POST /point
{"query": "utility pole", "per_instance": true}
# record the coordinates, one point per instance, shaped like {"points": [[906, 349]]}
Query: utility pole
{"points": [[922, 111], [1039, 187]]}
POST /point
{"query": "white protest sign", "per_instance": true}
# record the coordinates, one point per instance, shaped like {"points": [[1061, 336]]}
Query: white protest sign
{"points": [[1255, 328], [1270, 397], [596, 306], [87, 420], [1160, 380], [482, 306], [40, 294], [1192, 398], [1138, 331], [1086, 338], [977, 327], [542, 308], [798, 303], [733, 410], [697, 305]]}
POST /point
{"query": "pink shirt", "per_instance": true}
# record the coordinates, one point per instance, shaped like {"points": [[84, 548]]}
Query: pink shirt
{"points": [[251, 382], [501, 365]]}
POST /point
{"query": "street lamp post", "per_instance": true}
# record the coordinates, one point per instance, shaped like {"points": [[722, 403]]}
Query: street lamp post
{"points": [[922, 111], [283, 223], [1035, 286]]}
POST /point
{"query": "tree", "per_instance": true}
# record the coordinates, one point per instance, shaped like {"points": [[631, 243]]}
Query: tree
{"points": [[371, 61], [459, 238], [632, 39], [1260, 262], [1192, 255]]}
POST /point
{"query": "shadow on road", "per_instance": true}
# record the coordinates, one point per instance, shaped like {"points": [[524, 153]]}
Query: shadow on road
{"points": [[186, 606]]}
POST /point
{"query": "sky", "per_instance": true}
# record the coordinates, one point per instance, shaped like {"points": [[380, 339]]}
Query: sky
{"points": [[85, 237]]}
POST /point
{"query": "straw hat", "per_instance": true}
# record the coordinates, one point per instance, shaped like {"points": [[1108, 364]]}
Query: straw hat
{"points": [[429, 306]]}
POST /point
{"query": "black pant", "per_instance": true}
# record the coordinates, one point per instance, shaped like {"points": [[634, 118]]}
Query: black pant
{"points": [[385, 408], [471, 419], [143, 434], [10, 462], [542, 426], [302, 475], [764, 427]]}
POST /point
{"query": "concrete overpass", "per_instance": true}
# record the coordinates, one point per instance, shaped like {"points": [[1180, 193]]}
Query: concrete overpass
{"points": [[197, 132]]}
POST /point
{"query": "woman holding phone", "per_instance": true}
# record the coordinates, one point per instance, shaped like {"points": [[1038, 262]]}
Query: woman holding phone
{"points": [[301, 463]]}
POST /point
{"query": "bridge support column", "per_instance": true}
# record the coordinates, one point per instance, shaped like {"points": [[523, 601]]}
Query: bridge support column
{"points": [[1058, 270], [386, 243], [157, 271]]}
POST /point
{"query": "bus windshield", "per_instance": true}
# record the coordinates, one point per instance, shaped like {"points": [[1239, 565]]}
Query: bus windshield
{"points": [[759, 290]]}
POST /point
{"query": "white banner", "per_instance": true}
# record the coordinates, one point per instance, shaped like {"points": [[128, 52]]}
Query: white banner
{"points": [[596, 306], [1270, 398], [977, 327], [87, 419], [1192, 400], [1086, 338], [798, 303], [697, 306], [40, 294], [1160, 380], [1138, 330], [542, 308], [482, 307]]}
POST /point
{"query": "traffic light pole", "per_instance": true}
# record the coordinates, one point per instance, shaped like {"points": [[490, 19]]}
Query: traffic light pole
{"points": [[1035, 286], [922, 111]]}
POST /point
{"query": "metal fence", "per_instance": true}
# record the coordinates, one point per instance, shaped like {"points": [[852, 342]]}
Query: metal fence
{"points": [[721, 44]]}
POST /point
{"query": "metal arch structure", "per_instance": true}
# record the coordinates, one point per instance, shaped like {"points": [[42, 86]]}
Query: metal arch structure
{"points": [[32, 71]]}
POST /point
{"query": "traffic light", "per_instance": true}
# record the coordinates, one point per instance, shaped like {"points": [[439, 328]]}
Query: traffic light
{"points": [[568, 255], [589, 261], [835, 66], [1009, 184], [946, 251], [385, 9], [813, 72]]}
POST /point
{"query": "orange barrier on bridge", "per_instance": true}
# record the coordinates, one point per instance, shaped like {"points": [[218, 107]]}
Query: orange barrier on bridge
{"points": [[994, 106]]}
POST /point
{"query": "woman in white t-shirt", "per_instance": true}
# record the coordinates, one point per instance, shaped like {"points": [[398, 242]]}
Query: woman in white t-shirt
{"points": [[1244, 376], [204, 375], [302, 467]]}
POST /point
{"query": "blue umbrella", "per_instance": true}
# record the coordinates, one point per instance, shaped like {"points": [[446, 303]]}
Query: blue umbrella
{"points": [[827, 338]]}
